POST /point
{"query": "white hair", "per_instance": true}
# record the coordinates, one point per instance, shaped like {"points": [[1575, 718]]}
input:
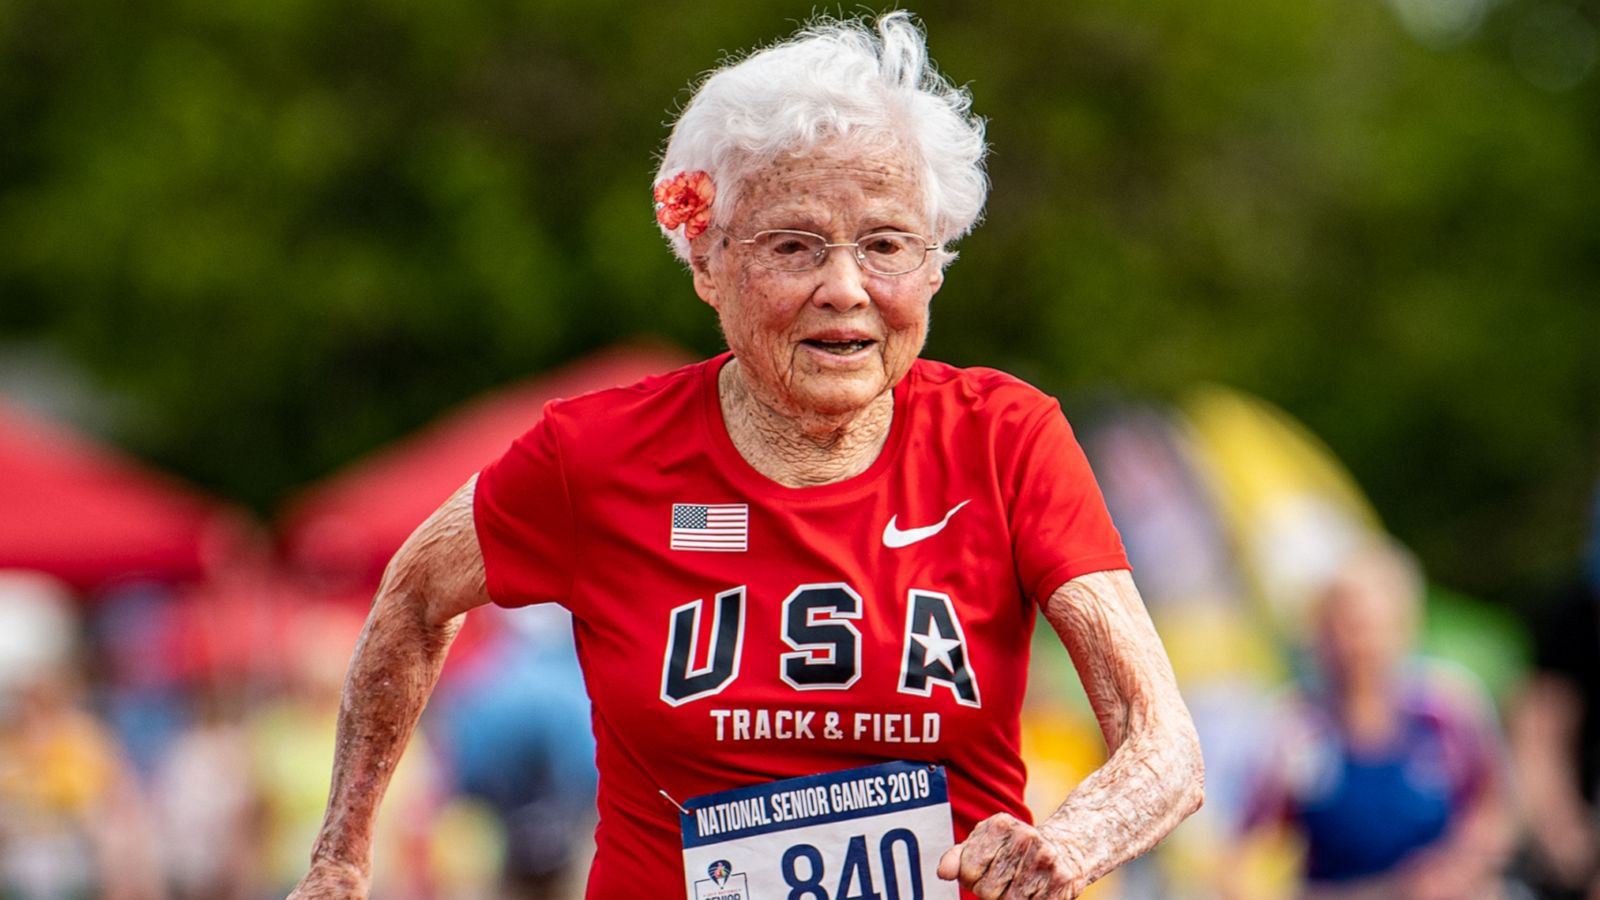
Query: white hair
{"points": [[835, 80]]}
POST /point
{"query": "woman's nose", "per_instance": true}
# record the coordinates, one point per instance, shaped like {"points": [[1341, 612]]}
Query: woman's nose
{"points": [[843, 281]]}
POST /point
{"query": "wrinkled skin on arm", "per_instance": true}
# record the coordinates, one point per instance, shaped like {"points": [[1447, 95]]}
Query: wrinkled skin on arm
{"points": [[426, 591], [1152, 779]]}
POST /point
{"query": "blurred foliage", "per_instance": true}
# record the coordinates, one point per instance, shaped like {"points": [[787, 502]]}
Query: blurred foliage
{"points": [[288, 232]]}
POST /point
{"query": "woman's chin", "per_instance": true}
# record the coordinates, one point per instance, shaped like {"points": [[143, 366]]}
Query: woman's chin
{"points": [[837, 394]]}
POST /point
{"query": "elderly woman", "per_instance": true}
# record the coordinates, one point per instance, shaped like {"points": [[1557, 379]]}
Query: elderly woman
{"points": [[803, 574]]}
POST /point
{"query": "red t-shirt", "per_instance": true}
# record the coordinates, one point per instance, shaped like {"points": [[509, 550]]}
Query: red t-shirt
{"points": [[732, 630]]}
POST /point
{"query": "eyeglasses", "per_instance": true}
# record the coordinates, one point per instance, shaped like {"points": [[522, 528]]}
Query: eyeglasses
{"points": [[881, 252]]}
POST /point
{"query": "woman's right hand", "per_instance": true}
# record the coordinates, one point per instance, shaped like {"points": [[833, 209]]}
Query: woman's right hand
{"points": [[433, 580]]}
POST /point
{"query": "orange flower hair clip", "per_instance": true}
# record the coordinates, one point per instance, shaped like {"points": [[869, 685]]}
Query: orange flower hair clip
{"points": [[685, 199]]}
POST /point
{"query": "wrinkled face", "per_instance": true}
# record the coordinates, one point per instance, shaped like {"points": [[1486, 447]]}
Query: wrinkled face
{"points": [[826, 341]]}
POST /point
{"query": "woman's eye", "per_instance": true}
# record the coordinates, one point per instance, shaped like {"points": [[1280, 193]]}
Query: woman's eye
{"points": [[790, 246], [883, 246]]}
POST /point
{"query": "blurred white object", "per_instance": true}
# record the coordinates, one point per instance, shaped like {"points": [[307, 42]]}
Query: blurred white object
{"points": [[38, 626]]}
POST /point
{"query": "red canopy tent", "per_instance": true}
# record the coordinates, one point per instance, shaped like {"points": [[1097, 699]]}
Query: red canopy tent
{"points": [[349, 525], [91, 515]]}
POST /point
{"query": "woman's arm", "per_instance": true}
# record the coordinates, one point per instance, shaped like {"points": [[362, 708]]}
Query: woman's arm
{"points": [[426, 591], [1152, 780]]}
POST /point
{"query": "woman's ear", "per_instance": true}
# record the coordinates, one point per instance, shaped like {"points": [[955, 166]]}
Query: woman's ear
{"points": [[701, 265]]}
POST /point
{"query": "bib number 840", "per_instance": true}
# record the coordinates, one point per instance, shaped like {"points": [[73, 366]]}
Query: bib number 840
{"points": [[804, 869]]}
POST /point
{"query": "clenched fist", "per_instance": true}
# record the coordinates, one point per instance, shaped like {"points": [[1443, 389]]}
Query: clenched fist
{"points": [[1007, 859]]}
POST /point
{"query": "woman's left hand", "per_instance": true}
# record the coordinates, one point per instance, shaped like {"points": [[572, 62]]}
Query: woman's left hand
{"points": [[1004, 859], [1152, 778]]}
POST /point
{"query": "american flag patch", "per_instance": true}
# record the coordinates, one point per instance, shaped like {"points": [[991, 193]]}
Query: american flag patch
{"points": [[711, 526]]}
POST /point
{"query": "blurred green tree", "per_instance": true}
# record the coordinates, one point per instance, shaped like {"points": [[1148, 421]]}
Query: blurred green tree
{"points": [[289, 232]]}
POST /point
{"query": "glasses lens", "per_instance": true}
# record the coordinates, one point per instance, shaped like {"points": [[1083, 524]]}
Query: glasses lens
{"points": [[788, 251], [892, 252]]}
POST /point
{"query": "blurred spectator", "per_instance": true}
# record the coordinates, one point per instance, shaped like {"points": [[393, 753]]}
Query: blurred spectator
{"points": [[1387, 767], [139, 689], [516, 731], [1555, 732], [204, 786], [72, 821], [291, 740]]}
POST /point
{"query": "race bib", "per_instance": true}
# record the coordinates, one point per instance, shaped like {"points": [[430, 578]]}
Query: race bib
{"points": [[874, 832]]}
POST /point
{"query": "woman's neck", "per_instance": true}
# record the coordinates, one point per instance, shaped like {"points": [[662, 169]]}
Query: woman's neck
{"points": [[1367, 707], [800, 450]]}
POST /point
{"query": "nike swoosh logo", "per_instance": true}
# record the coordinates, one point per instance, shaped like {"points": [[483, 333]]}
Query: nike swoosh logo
{"points": [[894, 537]]}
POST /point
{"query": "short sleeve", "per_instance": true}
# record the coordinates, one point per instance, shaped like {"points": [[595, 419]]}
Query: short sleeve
{"points": [[1475, 753], [1059, 523], [522, 510]]}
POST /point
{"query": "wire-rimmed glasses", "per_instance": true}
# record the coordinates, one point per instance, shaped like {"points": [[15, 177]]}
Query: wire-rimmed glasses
{"points": [[881, 252]]}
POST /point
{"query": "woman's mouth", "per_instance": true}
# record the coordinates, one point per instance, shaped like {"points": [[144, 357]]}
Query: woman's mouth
{"points": [[839, 348]]}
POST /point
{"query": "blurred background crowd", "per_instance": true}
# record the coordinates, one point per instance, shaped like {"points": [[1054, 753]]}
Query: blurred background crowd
{"points": [[1318, 284]]}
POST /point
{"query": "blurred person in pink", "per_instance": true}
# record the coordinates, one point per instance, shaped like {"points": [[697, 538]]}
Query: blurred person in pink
{"points": [[72, 819], [1387, 767]]}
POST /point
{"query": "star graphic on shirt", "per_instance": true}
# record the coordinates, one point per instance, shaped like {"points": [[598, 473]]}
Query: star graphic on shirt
{"points": [[936, 647]]}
